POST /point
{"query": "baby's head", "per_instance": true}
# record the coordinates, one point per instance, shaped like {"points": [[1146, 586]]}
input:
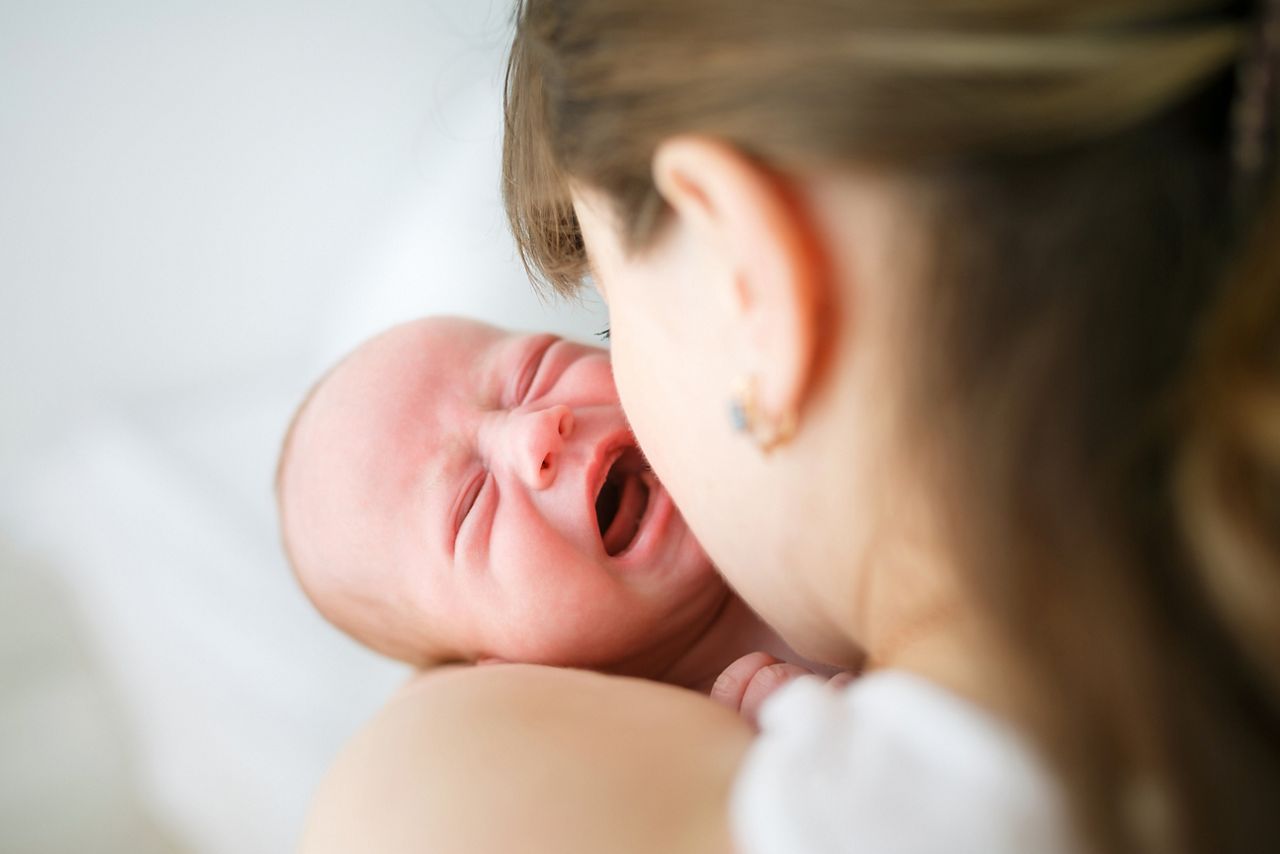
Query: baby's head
{"points": [[452, 491]]}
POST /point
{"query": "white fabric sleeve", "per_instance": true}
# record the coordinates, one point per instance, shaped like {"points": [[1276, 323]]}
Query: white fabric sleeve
{"points": [[891, 765]]}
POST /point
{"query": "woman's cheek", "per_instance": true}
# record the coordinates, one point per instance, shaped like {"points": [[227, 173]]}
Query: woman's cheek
{"points": [[648, 392], [635, 395]]}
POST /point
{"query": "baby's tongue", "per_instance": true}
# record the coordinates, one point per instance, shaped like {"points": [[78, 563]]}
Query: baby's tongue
{"points": [[626, 522]]}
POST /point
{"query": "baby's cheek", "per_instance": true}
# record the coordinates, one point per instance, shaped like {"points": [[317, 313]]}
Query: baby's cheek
{"points": [[560, 612]]}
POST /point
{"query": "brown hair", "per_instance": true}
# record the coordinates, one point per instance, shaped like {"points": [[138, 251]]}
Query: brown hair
{"points": [[1100, 327]]}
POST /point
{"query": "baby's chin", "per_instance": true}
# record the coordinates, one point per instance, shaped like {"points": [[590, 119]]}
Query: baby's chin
{"points": [[689, 569]]}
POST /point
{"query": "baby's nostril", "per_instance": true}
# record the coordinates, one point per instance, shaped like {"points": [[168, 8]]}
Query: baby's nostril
{"points": [[546, 463]]}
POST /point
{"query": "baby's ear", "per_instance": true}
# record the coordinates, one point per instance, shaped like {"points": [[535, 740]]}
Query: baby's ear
{"points": [[490, 659]]}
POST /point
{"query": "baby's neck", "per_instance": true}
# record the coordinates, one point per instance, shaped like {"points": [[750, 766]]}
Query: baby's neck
{"points": [[731, 632]]}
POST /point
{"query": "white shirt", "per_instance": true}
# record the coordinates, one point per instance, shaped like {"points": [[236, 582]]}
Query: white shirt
{"points": [[891, 764]]}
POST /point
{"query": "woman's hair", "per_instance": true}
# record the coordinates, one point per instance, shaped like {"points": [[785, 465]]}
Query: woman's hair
{"points": [[1099, 344]]}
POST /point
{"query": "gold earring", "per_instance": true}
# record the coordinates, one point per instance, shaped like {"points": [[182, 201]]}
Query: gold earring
{"points": [[747, 416]]}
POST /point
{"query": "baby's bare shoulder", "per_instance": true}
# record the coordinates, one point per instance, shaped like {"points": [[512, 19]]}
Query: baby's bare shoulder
{"points": [[572, 760]]}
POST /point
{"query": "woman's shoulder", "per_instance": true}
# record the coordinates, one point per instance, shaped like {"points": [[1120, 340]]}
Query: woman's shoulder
{"points": [[519, 757], [892, 763]]}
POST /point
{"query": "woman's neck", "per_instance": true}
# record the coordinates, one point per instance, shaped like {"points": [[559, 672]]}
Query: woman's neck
{"points": [[939, 636]]}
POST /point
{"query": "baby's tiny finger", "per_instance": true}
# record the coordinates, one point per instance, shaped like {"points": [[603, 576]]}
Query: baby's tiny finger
{"points": [[731, 685], [765, 682]]}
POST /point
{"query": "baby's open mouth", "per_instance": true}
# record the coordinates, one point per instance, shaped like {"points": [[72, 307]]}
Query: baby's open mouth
{"points": [[622, 501]]}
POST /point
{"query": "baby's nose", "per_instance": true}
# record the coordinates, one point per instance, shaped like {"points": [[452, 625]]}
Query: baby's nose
{"points": [[537, 443]]}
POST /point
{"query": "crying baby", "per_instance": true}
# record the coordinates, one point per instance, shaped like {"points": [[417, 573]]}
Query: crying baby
{"points": [[453, 492]]}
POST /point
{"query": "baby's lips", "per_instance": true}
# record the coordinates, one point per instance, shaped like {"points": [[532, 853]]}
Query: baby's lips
{"points": [[624, 527], [614, 459]]}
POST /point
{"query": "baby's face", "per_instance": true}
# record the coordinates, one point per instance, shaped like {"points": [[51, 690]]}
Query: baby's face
{"points": [[455, 488]]}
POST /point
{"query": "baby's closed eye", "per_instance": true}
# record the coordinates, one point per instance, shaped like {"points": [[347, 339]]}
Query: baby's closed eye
{"points": [[467, 500]]}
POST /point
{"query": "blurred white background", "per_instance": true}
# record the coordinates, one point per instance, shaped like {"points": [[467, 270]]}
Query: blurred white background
{"points": [[202, 206]]}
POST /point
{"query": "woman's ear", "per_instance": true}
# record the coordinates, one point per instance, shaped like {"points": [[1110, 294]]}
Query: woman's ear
{"points": [[747, 217]]}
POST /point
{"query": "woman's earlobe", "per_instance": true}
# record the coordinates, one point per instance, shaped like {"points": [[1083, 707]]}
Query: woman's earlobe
{"points": [[767, 429]]}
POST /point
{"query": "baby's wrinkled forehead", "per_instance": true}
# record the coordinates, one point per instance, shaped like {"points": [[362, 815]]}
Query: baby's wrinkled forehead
{"points": [[415, 367], [394, 417]]}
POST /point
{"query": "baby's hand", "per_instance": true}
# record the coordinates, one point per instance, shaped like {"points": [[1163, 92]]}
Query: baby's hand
{"points": [[745, 684]]}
